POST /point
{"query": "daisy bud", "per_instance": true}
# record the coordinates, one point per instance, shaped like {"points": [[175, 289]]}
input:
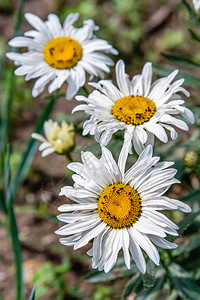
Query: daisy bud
{"points": [[59, 139], [190, 159]]}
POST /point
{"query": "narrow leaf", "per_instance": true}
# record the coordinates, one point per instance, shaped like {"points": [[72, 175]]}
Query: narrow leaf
{"points": [[193, 243], [149, 277], [193, 15], [17, 252], [183, 281], [193, 196], [16, 248], [97, 276], [186, 222], [181, 60], [194, 35], [134, 284], [190, 79], [153, 293], [32, 295], [32, 144], [119, 271]]}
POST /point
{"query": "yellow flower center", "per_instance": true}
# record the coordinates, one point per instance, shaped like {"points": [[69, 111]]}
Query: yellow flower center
{"points": [[134, 109], [119, 205], [62, 53]]}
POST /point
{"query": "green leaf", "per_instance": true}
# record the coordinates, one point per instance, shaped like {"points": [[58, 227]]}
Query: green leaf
{"points": [[32, 144], [183, 281], [134, 284], [153, 292], [13, 231], [119, 271], [194, 195], [192, 243], [190, 79], [193, 15], [8, 178], [97, 276], [181, 60], [17, 252], [6, 109], [32, 295], [149, 277], [19, 17], [194, 35], [186, 222]]}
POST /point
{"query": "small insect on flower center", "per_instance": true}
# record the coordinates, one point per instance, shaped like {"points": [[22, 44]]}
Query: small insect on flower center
{"points": [[134, 109], [62, 53], [119, 205]]}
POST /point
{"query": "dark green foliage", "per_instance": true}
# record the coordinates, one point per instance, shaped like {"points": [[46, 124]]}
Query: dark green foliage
{"points": [[149, 277], [134, 284], [183, 281]]}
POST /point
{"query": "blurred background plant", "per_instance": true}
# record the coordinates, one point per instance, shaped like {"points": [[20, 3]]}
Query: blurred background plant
{"points": [[140, 30]]}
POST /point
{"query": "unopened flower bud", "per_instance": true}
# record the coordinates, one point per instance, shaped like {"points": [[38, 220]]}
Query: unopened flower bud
{"points": [[190, 159], [59, 139]]}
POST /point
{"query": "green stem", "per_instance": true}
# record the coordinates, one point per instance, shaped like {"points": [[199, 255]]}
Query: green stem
{"points": [[69, 157], [13, 231], [16, 248], [12, 225], [6, 112], [19, 17], [84, 91]]}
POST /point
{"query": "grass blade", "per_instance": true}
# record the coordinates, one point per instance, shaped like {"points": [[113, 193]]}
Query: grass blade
{"points": [[193, 15], [13, 231], [180, 60], [32, 295], [7, 101], [16, 247], [32, 144], [190, 79]]}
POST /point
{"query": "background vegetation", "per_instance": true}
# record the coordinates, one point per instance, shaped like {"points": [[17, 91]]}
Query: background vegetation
{"points": [[161, 31]]}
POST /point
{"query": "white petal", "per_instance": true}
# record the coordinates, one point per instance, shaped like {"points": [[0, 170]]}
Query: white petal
{"points": [[125, 150], [141, 133], [47, 151], [90, 235], [122, 78], [158, 131], [147, 246], [70, 20], [160, 242], [38, 137], [188, 115], [77, 227], [44, 146], [147, 74], [136, 252], [174, 121], [74, 207], [125, 246], [77, 193]]}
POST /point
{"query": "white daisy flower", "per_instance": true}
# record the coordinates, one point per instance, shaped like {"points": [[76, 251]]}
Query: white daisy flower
{"points": [[60, 53], [118, 209], [59, 139], [137, 106], [196, 4]]}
